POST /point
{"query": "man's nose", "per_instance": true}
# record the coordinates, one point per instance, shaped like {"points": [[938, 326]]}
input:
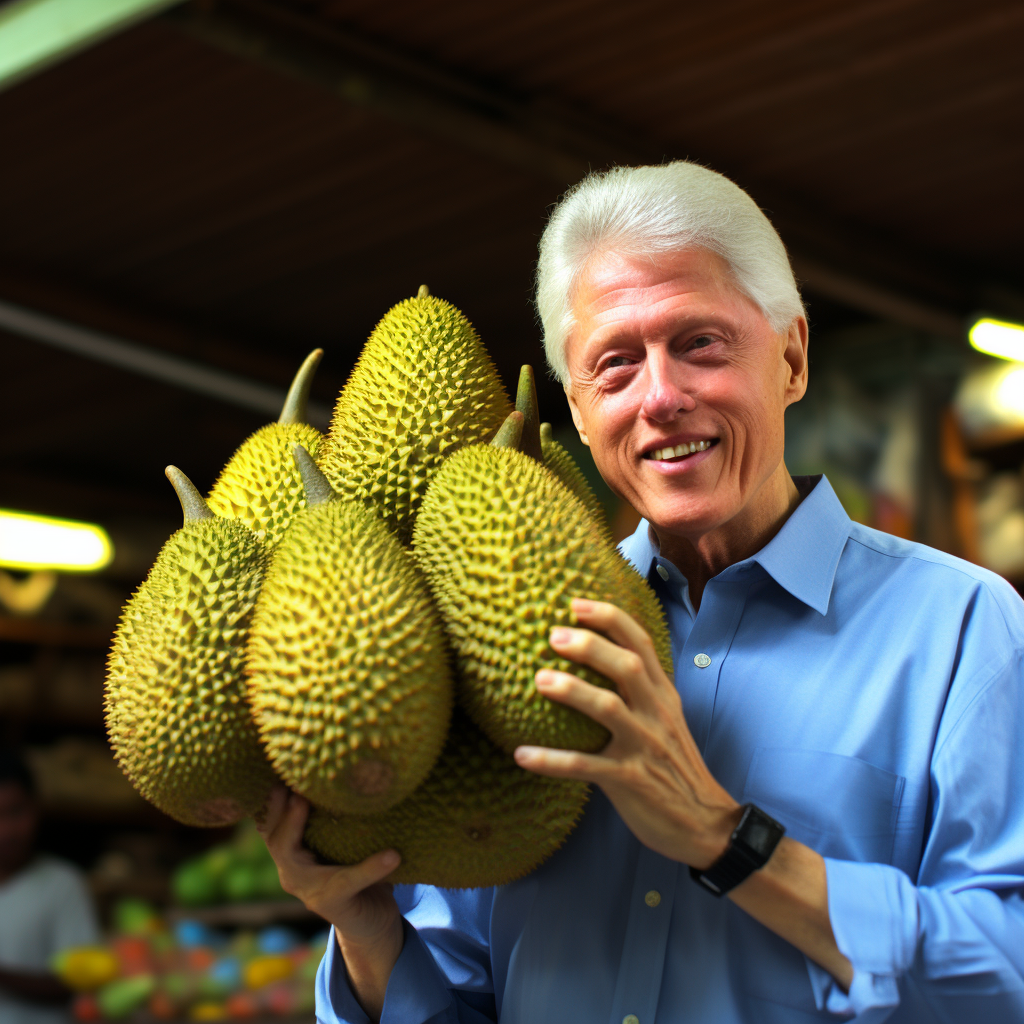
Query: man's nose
{"points": [[667, 394]]}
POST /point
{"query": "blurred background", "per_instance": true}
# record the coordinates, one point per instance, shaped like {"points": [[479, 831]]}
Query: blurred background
{"points": [[193, 195]]}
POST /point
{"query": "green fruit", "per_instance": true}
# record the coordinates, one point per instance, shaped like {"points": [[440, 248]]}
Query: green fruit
{"points": [[260, 486], [506, 547], [194, 886], [268, 883], [177, 717], [348, 667], [241, 883], [124, 996], [478, 820], [424, 387]]}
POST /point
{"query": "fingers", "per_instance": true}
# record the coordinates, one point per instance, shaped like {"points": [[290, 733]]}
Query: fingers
{"points": [[621, 628], [270, 817], [563, 764], [604, 706]]}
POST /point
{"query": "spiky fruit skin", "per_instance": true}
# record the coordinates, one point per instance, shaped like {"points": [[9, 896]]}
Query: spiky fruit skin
{"points": [[506, 546], [562, 464], [177, 716], [260, 485], [424, 387], [349, 674], [478, 819]]}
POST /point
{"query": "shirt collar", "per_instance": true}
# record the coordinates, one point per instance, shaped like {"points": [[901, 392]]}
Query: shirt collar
{"points": [[802, 557]]}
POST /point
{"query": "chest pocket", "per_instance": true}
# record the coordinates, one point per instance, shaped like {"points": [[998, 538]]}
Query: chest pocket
{"points": [[840, 806]]}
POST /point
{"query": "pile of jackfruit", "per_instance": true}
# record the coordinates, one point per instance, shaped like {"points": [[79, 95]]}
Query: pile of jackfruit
{"points": [[361, 615]]}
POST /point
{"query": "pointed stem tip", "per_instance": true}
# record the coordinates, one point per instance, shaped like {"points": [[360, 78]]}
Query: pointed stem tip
{"points": [[510, 433], [526, 403], [318, 490], [193, 504], [423, 293], [295, 405]]}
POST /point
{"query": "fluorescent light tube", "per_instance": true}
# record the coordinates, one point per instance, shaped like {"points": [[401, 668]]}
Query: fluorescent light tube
{"points": [[998, 338], [32, 542]]}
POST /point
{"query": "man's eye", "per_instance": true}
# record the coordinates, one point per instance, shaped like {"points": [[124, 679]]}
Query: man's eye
{"points": [[702, 342], [617, 361]]}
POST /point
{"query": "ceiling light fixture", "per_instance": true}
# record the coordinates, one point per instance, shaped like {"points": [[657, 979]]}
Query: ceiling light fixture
{"points": [[998, 338], [36, 33], [30, 542]]}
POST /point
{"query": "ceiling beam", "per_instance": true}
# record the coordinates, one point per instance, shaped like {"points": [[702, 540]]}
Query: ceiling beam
{"points": [[561, 145]]}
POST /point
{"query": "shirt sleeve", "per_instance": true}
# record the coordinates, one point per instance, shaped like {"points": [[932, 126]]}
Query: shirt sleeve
{"points": [[443, 973], [957, 935], [74, 916]]}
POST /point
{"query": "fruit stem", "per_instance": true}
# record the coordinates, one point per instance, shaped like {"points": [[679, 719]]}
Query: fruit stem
{"points": [[526, 403], [193, 504], [510, 433], [318, 490], [295, 405], [423, 293]]}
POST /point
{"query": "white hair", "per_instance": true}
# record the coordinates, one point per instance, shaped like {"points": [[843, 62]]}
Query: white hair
{"points": [[646, 212]]}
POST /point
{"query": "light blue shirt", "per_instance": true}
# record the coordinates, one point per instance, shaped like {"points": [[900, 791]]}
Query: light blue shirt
{"points": [[865, 691]]}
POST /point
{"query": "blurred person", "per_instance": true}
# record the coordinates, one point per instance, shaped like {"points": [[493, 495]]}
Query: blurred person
{"points": [[45, 908], [820, 816]]}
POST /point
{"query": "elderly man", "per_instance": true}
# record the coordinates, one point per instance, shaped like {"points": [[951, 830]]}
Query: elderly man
{"points": [[822, 815]]}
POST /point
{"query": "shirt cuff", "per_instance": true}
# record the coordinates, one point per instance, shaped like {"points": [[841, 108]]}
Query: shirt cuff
{"points": [[416, 991], [874, 915]]}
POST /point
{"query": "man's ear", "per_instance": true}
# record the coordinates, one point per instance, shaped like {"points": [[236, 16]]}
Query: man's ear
{"points": [[795, 354], [577, 419]]}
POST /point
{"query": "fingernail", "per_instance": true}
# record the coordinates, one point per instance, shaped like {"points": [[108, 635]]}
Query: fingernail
{"points": [[581, 604], [390, 859], [545, 677], [560, 635], [525, 755]]}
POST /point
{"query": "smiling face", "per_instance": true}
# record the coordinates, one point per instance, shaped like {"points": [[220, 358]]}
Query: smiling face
{"points": [[679, 385]]}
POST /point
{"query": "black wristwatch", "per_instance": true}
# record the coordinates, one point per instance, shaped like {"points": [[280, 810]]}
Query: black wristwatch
{"points": [[753, 841]]}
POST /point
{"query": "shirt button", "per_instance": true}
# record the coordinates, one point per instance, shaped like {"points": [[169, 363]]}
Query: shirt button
{"points": [[653, 898], [663, 573], [701, 660], [631, 1018]]}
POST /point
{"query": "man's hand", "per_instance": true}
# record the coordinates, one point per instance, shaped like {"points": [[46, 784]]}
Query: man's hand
{"points": [[354, 899], [651, 769], [652, 772]]}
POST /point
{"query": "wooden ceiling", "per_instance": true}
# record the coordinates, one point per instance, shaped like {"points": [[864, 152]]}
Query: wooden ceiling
{"points": [[238, 182]]}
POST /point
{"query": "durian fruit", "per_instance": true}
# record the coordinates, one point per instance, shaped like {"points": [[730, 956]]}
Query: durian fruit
{"points": [[260, 485], [539, 443], [478, 820], [506, 546], [424, 386], [348, 667], [177, 717]]}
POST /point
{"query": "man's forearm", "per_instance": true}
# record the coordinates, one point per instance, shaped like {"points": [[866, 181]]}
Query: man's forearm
{"points": [[369, 968], [43, 988], [789, 895]]}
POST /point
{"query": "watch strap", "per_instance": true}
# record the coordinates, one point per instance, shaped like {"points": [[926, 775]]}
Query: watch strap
{"points": [[751, 844]]}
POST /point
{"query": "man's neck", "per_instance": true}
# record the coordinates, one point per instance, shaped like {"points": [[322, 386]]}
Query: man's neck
{"points": [[699, 558]]}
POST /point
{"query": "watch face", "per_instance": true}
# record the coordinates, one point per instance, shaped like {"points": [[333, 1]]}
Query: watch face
{"points": [[759, 833]]}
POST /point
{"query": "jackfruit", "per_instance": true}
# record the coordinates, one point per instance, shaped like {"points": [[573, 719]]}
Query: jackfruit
{"points": [[424, 386], [260, 485], [348, 667], [478, 820], [177, 717], [506, 546]]}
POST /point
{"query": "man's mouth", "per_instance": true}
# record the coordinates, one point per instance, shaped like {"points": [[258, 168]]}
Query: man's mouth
{"points": [[680, 451]]}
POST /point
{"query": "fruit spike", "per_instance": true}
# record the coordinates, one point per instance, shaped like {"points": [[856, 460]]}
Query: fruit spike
{"points": [[193, 504], [315, 484], [510, 433], [526, 403], [294, 408]]}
